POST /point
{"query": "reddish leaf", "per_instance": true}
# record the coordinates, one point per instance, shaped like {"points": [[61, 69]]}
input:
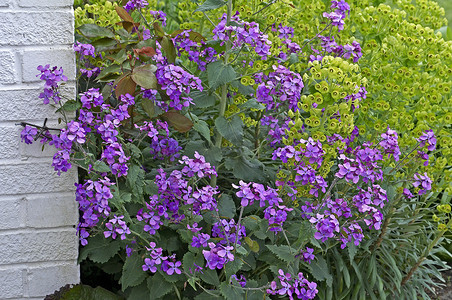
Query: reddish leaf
{"points": [[125, 86], [179, 122], [128, 25], [146, 51], [123, 14]]}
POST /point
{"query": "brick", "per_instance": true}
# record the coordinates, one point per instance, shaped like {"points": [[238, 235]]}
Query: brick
{"points": [[12, 283], [11, 216], [51, 211], [37, 28], [61, 58], [47, 3], [43, 281], [9, 142], [41, 246], [34, 178], [7, 65], [24, 104]]}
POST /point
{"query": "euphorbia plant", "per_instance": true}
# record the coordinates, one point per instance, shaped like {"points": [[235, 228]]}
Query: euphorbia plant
{"points": [[223, 165]]}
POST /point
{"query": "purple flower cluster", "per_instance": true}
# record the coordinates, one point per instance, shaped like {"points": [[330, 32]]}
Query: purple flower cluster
{"points": [[308, 255], [347, 51], [278, 87], [177, 83], [389, 143], [306, 155], [276, 129], [158, 15], [428, 138], [298, 286], [363, 166], [197, 52], [423, 182], [28, 134], [338, 13], [242, 33], [85, 53], [116, 226], [51, 76], [274, 212], [174, 191], [162, 146], [135, 4], [168, 264], [93, 197], [286, 33], [228, 231], [218, 255]]}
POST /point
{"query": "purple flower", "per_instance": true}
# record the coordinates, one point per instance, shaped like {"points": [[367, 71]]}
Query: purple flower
{"points": [[390, 144], [28, 134], [241, 281], [308, 255], [51, 76], [174, 268], [135, 4], [429, 138], [422, 181]]}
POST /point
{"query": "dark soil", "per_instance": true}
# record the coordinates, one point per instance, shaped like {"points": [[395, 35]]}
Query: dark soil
{"points": [[445, 292]]}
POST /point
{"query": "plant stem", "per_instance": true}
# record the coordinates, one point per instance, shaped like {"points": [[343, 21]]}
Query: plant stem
{"points": [[423, 257], [224, 90]]}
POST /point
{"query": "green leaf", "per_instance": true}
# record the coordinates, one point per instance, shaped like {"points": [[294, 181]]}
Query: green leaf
{"points": [[283, 252], [168, 47], [100, 166], [232, 267], [211, 4], [99, 249], [158, 286], [148, 106], [319, 270], [104, 44], [252, 103], [213, 294], [219, 74], [251, 222], [230, 292], [188, 262], [144, 76], [132, 272], [71, 105], [446, 32], [254, 246], [231, 129], [108, 71], [210, 276], [226, 206], [139, 292], [94, 31], [202, 99], [202, 127], [135, 179], [242, 168], [88, 293]]}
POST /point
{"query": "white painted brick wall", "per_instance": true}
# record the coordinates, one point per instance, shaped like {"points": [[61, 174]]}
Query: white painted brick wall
{"points": [[38, 213]]}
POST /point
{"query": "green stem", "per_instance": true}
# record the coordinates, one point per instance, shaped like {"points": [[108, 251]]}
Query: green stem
{"points": [[224, 90]]}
